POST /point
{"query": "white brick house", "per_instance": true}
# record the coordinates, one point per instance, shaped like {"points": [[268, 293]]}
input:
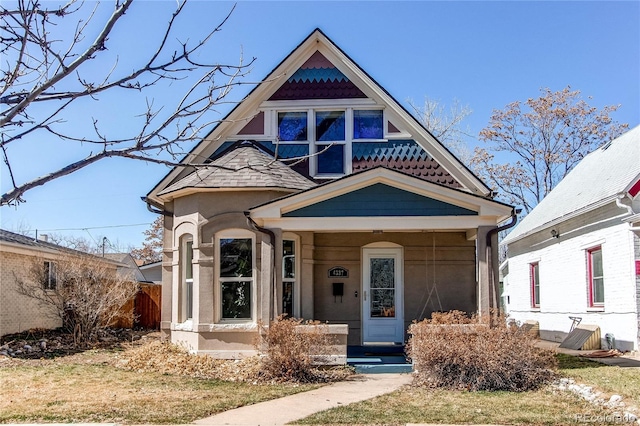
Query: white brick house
{"points": [[577, 254]]}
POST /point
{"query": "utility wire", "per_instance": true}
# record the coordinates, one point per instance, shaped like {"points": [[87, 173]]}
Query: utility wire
{"points": [[91, 227]]}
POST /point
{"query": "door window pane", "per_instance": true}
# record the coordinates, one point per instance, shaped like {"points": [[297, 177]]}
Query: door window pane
{"points": [[382, 287]]}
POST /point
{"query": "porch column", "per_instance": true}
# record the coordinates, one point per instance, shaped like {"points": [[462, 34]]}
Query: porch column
{"points": [[487, 260]]}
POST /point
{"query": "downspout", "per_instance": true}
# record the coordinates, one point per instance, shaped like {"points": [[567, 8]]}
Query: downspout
{"points": [[629, 211], [272, 237], [492, 283], [154, 209]]}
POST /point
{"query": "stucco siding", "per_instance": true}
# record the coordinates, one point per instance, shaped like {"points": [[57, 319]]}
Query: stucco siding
{"points": [[564, 278], [17, 312], [445, 284]]}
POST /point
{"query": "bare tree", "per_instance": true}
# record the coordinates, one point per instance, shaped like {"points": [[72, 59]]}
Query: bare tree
{"points": [[84, 291], [50, 66], [445, 125], [544, 138], [151, 250]]}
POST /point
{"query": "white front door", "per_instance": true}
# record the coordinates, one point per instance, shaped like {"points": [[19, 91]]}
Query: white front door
{"points": [[382, 307]]}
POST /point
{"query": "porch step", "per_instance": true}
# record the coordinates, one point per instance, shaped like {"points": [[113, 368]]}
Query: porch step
{"points": [[382, 368], [378, 359]]}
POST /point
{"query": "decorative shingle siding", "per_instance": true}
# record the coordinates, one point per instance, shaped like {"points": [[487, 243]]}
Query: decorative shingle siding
{"points": [[405, 156], [380, 200], [317, 78]]}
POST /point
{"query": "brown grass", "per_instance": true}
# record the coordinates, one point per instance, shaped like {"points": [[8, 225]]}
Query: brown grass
{"points": [[88, 388], [420, 405]]}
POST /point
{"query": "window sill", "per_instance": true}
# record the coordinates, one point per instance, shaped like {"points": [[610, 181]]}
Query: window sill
{"points": [[535, 308], [182, 326], [595, 309], [227, 327]]}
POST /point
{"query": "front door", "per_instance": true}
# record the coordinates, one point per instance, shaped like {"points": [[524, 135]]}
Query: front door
{"points": [[382, 307]]}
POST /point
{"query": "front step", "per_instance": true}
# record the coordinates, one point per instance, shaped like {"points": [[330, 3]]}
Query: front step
{"points": [[382, 368], [378, 360]]}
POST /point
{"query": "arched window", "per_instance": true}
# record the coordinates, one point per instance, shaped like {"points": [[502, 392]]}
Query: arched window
{"points": [[290, 275], [186, 278], [236, 275]]}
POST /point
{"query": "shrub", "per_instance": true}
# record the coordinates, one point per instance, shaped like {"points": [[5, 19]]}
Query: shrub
{"points": [[289, 350], [455, 351]]}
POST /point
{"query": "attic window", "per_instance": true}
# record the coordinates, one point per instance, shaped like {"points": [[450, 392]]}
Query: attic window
{"points": [[368, 124], [292, 126]]}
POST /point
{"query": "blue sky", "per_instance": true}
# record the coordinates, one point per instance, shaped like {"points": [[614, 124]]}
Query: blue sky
{"points": [[484, 54]]}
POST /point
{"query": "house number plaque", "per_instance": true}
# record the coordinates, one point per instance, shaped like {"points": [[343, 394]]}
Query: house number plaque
{"points": [[338, 272]]}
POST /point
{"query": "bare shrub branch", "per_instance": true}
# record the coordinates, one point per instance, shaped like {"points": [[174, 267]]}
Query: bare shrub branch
{"points": [[87, 293], [49, 69], [456, 351]]}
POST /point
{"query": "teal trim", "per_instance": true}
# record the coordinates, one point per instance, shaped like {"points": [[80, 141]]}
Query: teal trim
{"points": [[317, 74], [380, 200]]}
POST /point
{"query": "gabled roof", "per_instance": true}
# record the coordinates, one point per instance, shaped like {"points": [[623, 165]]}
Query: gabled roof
{"points": [[598, 179], [287, 74], [242, 165], [427, 205]]}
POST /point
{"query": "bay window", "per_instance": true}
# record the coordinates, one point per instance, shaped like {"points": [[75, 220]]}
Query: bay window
{"points": [[186, 272], [288, 277], [236, 277]]}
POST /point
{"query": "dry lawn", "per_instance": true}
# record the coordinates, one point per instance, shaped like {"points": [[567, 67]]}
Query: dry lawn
{"points": [[86, 388], [418, 405]]}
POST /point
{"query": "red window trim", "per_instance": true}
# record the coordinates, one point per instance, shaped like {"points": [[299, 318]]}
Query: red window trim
{"points": [[532, 283], [590, 291]]}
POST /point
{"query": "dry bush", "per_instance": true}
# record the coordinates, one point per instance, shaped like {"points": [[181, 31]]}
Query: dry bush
{"points": [[459, 352], [86, 292], [291, 352]]}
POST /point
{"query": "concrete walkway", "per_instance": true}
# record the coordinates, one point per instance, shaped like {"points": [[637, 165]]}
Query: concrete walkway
{"points": [[294, 407]]}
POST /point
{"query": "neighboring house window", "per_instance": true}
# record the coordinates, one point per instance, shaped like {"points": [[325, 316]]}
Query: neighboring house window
{"points": [[330, 134], [288, 276], [595, 274], [187, 277], [50, 281], [236, 277], [534, 271]]}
